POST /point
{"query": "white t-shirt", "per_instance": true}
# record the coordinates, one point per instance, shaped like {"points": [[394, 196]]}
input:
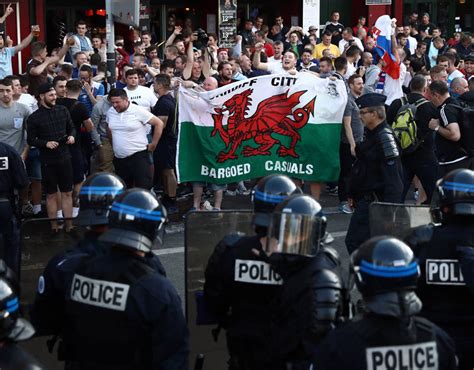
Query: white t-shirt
{"points": [[143, 96], [454, 74], [351, 69], [343, 43], [393, 88], [129, 130], [412, 43], [29, 101], [275, 67]]}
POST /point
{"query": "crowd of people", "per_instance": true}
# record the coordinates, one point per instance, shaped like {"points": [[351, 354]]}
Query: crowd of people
{"points": [[65, 121]]}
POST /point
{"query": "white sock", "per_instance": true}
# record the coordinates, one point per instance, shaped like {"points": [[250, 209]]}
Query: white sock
{"points": [[75, 211], [59, 214], [36, 208]]}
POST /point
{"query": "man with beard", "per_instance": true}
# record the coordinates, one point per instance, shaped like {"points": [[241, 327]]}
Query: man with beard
{"points": [[51, 130], [225, 74]]}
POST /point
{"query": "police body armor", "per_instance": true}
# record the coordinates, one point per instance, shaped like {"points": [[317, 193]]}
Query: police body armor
{"points": [[366, 173], [242, 300], [442, 286], [388, 342], [98, 302], [310, 304]]}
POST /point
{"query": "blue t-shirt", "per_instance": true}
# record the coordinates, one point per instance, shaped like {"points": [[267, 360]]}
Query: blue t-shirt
{"points": [[97, 90], [6, 62]]}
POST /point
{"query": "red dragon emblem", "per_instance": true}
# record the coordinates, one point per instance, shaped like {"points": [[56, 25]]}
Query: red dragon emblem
{"points": [[273, 115]]}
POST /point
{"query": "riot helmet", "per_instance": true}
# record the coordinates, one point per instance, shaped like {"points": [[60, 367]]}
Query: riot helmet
{"points": [[268, 192], [453, 196], [384, 264], [297, 227], [12, 327], [96, 197], [136, 220]]}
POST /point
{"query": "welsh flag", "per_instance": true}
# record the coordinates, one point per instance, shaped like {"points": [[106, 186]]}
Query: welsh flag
{"points": [[260, 126]]}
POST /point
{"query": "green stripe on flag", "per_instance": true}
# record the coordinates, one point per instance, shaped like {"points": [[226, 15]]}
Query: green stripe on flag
{"points": [[318, 153]]}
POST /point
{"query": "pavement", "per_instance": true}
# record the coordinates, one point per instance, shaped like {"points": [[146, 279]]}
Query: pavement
{"points": [[204, 229]]}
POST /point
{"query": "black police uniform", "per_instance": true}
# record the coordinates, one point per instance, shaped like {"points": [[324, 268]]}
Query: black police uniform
{"points": [[312, 296], [446, 287], [309, 305], [422, 162], [387, 334], [48, 306], [384, 342], [239, 291], [376, 175], [240, 288], [12, 177], [446, 258], [121, 314]]}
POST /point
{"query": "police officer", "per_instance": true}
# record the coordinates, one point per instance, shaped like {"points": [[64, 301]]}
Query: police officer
{"points": [[120, 313], [13, 329], [239, 286], [12, 177], [96, 197], [377, 172], [446, 256], [388, 335], [312, 299]]}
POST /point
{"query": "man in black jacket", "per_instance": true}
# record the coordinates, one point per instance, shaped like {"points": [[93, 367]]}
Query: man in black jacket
{"points": [[51, 129], [422, 161]]}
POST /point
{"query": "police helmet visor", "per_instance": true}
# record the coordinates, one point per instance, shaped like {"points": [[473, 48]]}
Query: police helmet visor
{"points": [[295, 234]]}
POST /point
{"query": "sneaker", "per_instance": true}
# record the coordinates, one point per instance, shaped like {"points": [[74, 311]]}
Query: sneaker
{"points": [[27, 210], [327, 238], [216, 209], [345, 208], [242, 191], [332, 190], [416, 195], [231, 193], [206, 206]]}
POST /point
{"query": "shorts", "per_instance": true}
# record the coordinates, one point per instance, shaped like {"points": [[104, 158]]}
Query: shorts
{"points": [[135, 170], [212, 187], [77, 161], [33, 164], [57, 175], [165, 154]]}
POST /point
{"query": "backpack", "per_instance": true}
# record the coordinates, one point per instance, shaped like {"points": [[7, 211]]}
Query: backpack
{"points": [[404, 125], [466, 128]]}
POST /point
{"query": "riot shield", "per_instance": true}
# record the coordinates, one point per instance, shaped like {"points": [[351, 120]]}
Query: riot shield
{"points": [[396, 219], [203, 230], [38, 245]]}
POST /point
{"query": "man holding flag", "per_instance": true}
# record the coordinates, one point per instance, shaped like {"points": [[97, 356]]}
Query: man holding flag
{"points": [[393, 73]]}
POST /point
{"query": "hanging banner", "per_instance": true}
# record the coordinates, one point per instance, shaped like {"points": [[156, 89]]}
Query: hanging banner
{"points": [[256, 127], [227, 22], [310, 14]]}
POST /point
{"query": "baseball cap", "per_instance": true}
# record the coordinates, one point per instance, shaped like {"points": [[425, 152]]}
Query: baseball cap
{"points": [[44, 88]]}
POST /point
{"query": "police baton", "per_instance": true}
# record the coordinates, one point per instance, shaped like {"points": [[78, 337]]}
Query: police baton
{"points": [[199, 363]]}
